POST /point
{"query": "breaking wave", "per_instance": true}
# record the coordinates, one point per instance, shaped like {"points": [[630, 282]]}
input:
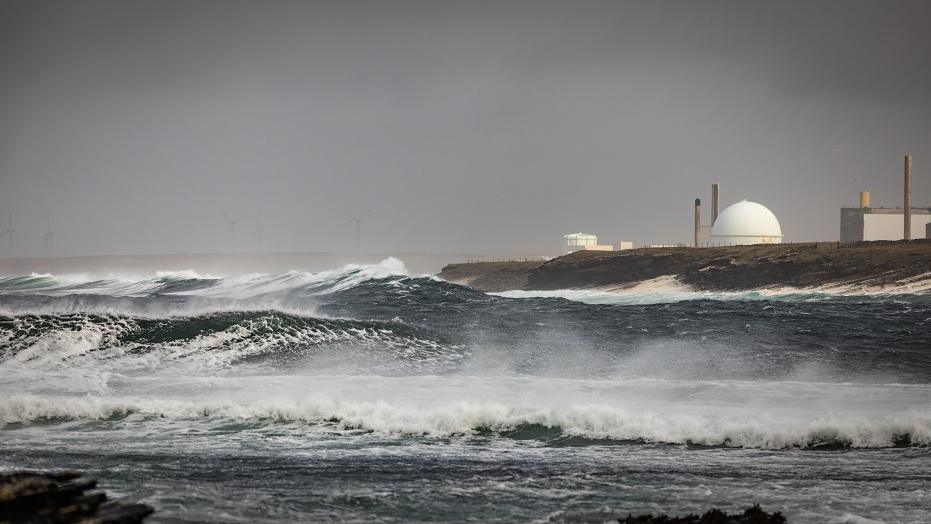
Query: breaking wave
{"points": [[191, 283], [669, 289], [188, 292], [374, 349], [67, 343], [594, 423]]}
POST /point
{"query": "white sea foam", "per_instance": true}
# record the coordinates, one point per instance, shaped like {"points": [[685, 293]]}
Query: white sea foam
{"points": [[292, 291], [85, 349], [767, 415], [850, 518], [667, 289], [257, 289], [243, 286], [255, 284], [184, 274], [76, 368]]}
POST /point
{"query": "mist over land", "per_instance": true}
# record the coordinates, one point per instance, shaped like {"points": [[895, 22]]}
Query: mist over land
{"points": [[486, 127]]}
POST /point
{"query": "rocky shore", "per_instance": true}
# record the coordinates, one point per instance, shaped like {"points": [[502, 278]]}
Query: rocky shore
{"points": [[869, 266], [64, 497], [60, 498], [753, 515]]}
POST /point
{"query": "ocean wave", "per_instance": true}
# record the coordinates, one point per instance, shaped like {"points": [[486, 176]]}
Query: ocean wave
{"points": [[191, 283], [109, 284], [668, 289], [577, 425], [187, 293], [122, 343]]}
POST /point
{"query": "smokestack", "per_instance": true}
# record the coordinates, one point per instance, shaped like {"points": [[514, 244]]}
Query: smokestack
{"points": [[697, 221], [907, 208], [864, 199], [715, 201]]}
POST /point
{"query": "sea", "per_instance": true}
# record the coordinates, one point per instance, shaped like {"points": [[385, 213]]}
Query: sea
{"points": [[367, 393]]}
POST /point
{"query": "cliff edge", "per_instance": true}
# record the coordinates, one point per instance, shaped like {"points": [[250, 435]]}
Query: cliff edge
{"points": [[873, 266]]}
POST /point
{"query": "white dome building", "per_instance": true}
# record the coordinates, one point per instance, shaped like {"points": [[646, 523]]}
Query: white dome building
{"points": [[746, 223]]}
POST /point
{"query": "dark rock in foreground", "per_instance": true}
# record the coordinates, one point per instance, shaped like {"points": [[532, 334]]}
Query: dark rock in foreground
{"points": [[753, 515], [61, 497]]}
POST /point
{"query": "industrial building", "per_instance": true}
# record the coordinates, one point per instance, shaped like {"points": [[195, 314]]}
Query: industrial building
{"points": [[583, 241], [739, 224], [865, 223], [881, 223], [746, 223]]}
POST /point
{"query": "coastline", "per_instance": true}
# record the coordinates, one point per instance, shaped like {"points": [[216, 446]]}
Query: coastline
{"points": [[881, 266]]}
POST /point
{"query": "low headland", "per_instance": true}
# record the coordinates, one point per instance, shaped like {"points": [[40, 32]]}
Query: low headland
{"points": [[881, 266]]}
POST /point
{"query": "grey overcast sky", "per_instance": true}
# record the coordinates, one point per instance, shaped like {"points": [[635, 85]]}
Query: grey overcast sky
{"points": [[491, 127]]}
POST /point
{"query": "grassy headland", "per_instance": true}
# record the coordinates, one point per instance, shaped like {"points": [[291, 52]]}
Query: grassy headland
{"points": [[867, 265]]}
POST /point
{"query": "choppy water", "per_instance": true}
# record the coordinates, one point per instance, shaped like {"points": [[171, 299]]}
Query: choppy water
{"points": [[366, 394]]}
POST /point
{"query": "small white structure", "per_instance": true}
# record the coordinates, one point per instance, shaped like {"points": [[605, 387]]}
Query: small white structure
{"points": [[623, 245], [578, 241], [746, 223]]}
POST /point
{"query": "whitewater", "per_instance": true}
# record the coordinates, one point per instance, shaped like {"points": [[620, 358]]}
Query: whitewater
{"points": [[367, 393]]}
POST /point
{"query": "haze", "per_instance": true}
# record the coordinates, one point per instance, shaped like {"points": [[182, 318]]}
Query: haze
{"points": [[485, 127]]}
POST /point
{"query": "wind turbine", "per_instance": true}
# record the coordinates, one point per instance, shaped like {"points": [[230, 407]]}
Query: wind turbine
{"points": [[259, 230], [358, 221], [50, 235], [9, 231], [232, 223]]}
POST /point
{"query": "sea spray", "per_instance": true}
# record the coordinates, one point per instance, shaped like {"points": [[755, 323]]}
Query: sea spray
{"points": [[364, 384]]}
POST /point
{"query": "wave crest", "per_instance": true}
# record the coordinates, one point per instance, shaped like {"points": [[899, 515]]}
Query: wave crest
{"points": [[46, 343], [191, 283], [584, 424]]}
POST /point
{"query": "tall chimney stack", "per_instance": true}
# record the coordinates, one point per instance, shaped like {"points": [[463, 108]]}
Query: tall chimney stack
{"points": [[697, 221], [907, 208], [864, 199], [715, 201]]}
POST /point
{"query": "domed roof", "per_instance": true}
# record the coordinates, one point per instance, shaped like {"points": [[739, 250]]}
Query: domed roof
{"points": [[746, 219]]}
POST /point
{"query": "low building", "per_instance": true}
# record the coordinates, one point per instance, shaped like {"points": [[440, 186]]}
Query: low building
{"points": [[623, 245], [881, 223], [583, 241], [577, 241]]}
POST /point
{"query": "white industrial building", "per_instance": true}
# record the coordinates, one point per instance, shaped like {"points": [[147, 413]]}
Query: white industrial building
{"points": [[746, 223], [866, 223], [578, 241], [583, 241], [881, 223]]}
